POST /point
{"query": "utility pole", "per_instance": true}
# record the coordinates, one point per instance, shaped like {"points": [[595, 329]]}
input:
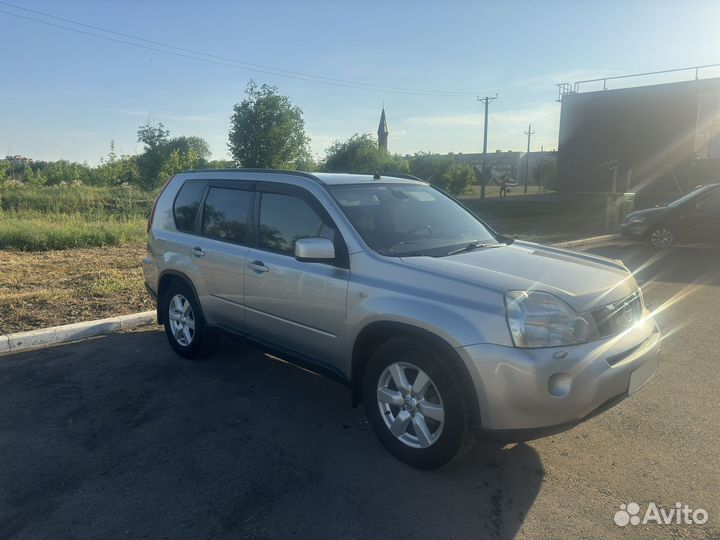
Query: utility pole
{"points": [[529, 133], [483, 181]]}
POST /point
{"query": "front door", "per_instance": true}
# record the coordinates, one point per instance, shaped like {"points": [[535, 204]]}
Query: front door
{"points": [[293, 305]]}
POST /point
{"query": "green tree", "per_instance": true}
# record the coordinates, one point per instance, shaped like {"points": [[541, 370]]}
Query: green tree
{"points": [[360, 154], [5, 175], [267, 130], [442, 171], [184, 145], [65, 172], [219, 164], [34, 177], [155, 139], [177, 162], [163, 154], [459, 178], [115, 170], [432, 168]]}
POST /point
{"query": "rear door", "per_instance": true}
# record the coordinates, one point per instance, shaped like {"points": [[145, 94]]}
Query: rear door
{"points": [[220, 250], [293, 305]]}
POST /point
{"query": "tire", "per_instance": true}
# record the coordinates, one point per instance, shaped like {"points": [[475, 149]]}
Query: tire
{"points": [[433, 420], [662, 237], [184, 323]]}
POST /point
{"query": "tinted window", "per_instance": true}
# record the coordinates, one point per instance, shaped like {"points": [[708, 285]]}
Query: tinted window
{"points": [[285, 219], [186, 206], [225, 215]]}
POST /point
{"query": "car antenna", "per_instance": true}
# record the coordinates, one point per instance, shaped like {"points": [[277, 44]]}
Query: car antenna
{"points": [[376, 173]]}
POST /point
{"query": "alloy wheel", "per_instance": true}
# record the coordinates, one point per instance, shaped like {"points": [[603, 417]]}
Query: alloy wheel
{"points": [[410, 405], [662, 238], [182, 320]]}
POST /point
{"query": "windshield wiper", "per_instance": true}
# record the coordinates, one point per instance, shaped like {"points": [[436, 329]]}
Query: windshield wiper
{"points": [[470, 247]]}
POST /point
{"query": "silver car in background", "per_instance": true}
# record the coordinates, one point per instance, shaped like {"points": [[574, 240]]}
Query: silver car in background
{"points": [[442, 327]]}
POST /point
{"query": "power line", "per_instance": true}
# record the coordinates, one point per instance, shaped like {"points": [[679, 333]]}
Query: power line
{"points": [[501, 106], [215, 59]]}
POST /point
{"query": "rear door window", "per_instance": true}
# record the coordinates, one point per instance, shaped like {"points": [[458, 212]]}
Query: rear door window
{"points": [[226, 215], [187, 204]]}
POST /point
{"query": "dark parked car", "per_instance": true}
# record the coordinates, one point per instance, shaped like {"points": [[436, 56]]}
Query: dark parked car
{"points": [[694, 217]]}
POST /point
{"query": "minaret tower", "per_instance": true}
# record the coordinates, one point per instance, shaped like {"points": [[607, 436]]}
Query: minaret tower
{"points": [[383, 132]]}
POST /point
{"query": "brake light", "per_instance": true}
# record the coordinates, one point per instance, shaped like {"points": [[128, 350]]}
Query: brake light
{"points": [[152, 212]]}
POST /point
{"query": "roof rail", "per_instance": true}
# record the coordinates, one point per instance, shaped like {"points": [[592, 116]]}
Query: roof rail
{"points": [[406, 176], [253, 170]]}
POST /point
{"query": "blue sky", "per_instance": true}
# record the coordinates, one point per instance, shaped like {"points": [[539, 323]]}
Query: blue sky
{"points": [[66, 95]]}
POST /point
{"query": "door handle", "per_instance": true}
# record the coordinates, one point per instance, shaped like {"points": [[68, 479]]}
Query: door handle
{"points": [[198, 252], [258, 266]]}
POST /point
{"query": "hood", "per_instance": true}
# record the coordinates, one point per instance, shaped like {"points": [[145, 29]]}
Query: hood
{"points": [[648, 213], [582, 281]]}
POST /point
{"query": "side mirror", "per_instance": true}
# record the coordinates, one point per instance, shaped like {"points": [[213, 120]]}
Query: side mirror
{"points": [[314, 250]]}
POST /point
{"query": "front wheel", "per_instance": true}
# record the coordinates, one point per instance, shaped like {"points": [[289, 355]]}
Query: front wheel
{"points": [[662, 237], [416, 404]]}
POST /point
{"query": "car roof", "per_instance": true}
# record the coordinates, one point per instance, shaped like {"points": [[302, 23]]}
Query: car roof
{"points": [[329, 179]]}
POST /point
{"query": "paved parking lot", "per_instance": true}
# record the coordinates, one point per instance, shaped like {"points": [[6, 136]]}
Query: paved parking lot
{"points": [[118, 437]]}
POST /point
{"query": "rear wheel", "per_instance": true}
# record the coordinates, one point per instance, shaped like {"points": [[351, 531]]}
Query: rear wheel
{"points": [[662, 237], [416, 404], [184, 324]]}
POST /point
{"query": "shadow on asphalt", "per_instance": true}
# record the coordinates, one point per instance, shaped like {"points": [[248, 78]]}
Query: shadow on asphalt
{"points": [[119, 437], [676, 265]]}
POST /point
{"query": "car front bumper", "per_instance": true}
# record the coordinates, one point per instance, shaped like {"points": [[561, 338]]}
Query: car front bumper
{"points": [[527, 393]]}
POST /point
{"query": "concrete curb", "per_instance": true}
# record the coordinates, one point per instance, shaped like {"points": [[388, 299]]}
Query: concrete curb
{"points": [[46, 337], [585, 241]]}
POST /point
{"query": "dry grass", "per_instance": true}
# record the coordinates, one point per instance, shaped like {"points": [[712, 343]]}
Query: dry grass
{"points": [[49, 288]]}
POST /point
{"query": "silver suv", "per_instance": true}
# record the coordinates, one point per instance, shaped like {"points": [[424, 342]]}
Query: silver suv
{"points": [[441, 326]]}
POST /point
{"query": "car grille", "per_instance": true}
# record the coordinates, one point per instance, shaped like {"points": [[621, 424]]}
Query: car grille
{"points": [[614, 318]]}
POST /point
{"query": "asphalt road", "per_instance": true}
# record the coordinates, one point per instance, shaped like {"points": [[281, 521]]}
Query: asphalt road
{"points": [[117, 437]]}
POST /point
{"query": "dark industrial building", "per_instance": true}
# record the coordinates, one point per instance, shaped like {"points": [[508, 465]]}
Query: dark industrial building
{"points": [[661, 139]]}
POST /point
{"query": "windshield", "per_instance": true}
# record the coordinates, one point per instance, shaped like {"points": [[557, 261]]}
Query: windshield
{"points": [[688, 196], [404, 220]]}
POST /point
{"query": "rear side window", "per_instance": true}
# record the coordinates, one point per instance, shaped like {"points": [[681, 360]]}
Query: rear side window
{"points": [[285, 219], [226, 213], [187, 204]]}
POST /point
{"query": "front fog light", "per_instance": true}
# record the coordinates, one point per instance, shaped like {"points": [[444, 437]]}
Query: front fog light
{"points": [[539, 319]]}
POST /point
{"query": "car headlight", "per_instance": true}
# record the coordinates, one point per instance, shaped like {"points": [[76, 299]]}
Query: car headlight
{"points": [[638, 220], [539, 319]]}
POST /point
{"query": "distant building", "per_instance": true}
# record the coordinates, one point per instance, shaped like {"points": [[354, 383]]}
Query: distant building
{"points": [[383, 132], [663, 138], [18, 160]]}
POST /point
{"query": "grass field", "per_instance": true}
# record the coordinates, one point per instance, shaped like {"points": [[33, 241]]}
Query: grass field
{"points": [[39, 290], [38, 219]]}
